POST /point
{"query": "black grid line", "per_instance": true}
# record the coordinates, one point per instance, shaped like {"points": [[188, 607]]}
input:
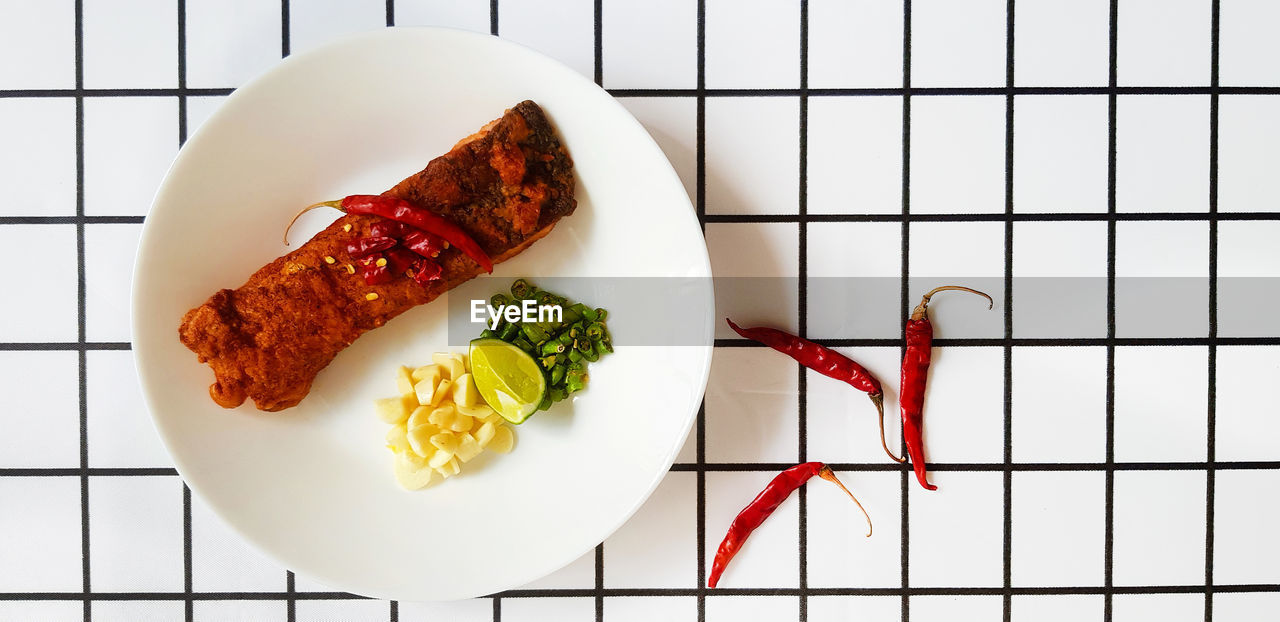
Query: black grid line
{"points": [[70, 220], [994, 467], [802, 311], [722, 592], [1212, 381], [904, 480], [1007, 553], [291, 602], [284, 28], [90, 472], [187, 566], [81, 358], [34, 346], [956, 91], [997, 217], [700, 208], [1108, 552], [598, 60], [1210, 466], [1219, 465], [1029, 341], [493, 30], [951, 91], [812, 218]]}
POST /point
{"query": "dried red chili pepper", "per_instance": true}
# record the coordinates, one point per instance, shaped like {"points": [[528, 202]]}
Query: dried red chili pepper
{"points": [[764, 504], [400, 259], [364, 247], [825, 361], [389, 228], [915, 372], [374, 269], [425, 244], [402, 211], [427, 271]]}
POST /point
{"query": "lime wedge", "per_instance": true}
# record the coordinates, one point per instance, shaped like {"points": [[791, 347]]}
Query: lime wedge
{"points": [[508, 379]]}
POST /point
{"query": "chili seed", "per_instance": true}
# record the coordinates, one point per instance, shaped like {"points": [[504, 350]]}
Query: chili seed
{"points": [[371, 296], [346, 227], [329, 260], [351, 269], [382, 261]]}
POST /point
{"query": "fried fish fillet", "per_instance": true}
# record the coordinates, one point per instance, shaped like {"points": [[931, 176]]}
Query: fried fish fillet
{"points": [[506, 185]]}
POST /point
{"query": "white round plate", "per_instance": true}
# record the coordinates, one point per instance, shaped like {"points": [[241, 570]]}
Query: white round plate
{"points": [[312, 486]]}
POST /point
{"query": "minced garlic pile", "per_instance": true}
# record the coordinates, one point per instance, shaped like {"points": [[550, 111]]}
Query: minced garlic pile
{"points": [[439, 421]]}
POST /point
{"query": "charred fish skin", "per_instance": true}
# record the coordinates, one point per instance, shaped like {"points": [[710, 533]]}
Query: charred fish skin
{"points": [[507, 186]]}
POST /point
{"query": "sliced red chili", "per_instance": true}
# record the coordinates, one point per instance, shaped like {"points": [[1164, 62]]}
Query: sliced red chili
{"points": [[401, 259], [374, 269], [425, 244], [366, 246], [915, 372], [764, 504], [427, 272], [388, 228]]}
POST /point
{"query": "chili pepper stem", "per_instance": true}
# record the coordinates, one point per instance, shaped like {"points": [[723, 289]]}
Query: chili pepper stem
{"points": [[334, 204], [919, 311], [829, 475], [878, 400]]}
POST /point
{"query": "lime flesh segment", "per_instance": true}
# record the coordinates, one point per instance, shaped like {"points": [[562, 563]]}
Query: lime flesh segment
{"points": [[508, 379]]}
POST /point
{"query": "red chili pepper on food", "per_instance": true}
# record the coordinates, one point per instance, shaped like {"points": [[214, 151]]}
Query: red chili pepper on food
{"points": [[427, 271], [825, 361], [915, 372], [400, 259], [374, 269], [402, 211], [363, 247], [764, 504], [388, 228], [425, 244]]}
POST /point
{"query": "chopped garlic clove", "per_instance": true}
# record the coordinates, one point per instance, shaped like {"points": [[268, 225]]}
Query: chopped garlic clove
{"points": [[465, 392], [442, 391], [428, 371], [445, 441], [451, 363], [503, 440], [481, 411], [439, 458], [461, 423], [392, 410], [404, 380], [419, 416], [419, 439], [425, 389], [442, 416], [485, 433], [468, 448], [396, 440], [452, 467], [412, 472]]}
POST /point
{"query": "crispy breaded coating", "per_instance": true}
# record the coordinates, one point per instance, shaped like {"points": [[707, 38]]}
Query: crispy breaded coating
{"points": [[506, 186]]}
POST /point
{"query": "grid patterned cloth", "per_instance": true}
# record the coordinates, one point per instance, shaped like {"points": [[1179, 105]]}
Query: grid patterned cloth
{"points": [[972, 139]]}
